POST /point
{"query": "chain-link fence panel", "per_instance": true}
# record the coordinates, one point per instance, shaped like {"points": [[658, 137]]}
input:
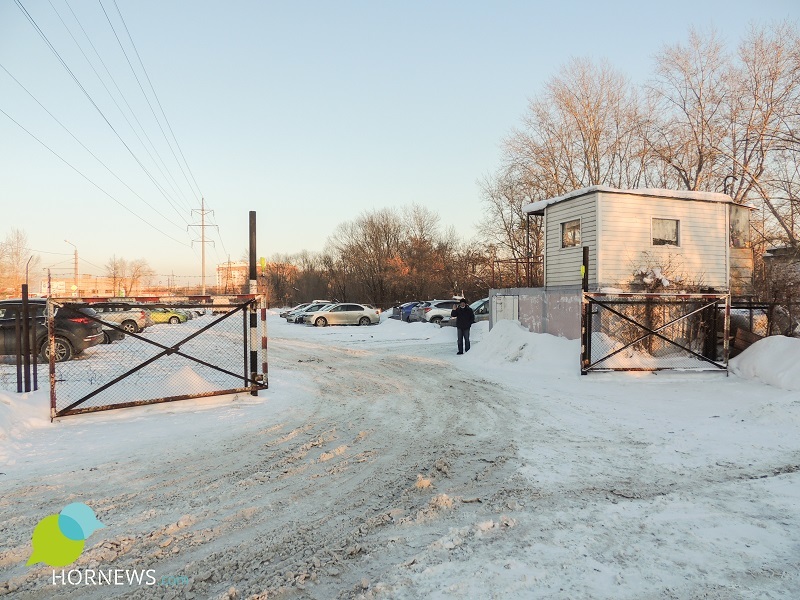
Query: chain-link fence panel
{"points": [[651, 332], [155, 353]]}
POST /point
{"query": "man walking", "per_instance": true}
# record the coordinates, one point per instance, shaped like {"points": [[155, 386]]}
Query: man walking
{"points": [[464, 319]]}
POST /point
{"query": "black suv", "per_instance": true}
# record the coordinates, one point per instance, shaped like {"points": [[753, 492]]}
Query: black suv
{"points": [[74, 332]]}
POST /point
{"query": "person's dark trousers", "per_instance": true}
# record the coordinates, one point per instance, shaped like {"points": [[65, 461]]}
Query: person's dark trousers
{"points": [[463, 340]]}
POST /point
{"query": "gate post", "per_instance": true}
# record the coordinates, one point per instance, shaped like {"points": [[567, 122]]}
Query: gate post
{"points": [[585, 308], [251, 309], [726, 327], [264, 358], [51, 342]]}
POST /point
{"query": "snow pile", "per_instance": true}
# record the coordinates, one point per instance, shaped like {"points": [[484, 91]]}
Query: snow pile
{"points": [[510, 342], [651, 276], [773, 360], [18, 415]]}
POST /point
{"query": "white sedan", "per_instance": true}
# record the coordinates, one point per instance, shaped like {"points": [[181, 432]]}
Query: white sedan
{"points": [[344, 313]]}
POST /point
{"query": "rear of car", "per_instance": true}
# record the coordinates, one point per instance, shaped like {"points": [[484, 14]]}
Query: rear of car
{"points": [[132, 320], [404, 310], [73, 323], [74, 330], [436, 311]]}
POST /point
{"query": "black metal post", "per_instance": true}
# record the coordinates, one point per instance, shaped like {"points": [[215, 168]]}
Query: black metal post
{"points": [[585, 269], [18, 340], [252, 249], [251, 309], [26, 337], [245, 345], [34, 353], [585, 308]]}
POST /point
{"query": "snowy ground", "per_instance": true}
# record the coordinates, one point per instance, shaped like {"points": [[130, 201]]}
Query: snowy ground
{"points": [[381, 465]]}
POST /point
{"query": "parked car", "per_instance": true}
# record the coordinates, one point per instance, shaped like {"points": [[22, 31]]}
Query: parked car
{"points": [[132, 320], [481, 310], [111, 335], [284, 313], [74, 332], [397, 311], [298, 316], [167, 315], [344, 313], [433, 311], [189, 314], [405, 310]]}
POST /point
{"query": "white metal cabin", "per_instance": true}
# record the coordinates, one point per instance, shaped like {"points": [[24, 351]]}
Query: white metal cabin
{"points": [[702, 236]]}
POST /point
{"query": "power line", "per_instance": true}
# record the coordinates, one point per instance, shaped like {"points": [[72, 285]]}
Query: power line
{"points": [[89, 97], [138, 82], [46, 252], [169, 126], [90, 181], [65, 128], [114, 100]]}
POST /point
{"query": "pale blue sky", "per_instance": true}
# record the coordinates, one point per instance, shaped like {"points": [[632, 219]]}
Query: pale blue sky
{"points": [[307, 112]]}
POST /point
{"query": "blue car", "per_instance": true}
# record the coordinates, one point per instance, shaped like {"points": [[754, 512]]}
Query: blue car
{"points": [[405, 311]]}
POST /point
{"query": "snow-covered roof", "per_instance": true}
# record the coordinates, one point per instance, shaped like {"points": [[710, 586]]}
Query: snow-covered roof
{"points": [[538, 207]]}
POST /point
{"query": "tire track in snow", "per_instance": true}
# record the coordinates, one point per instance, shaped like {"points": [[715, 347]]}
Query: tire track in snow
{"points": [[306, 500]]}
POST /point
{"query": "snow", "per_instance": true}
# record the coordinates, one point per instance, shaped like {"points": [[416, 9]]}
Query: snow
{"points": [[535, 207], [773, 360], [381, 465]]}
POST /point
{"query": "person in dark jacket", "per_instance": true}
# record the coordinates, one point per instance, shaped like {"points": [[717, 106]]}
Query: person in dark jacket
{"points": [[464, 319]]}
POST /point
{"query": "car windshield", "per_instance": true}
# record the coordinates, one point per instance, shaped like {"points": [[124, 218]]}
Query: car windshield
{"points": [[314, 308], [477, 304]]}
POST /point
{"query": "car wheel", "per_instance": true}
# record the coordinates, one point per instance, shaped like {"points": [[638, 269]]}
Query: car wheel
{"points": [[174, 320], [436, 320], [321, 322], [130, 326], [364, 321], [106, 338], [63, 350]]}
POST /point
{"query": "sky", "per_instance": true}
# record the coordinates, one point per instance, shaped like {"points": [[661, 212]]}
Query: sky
{"points": [[308, 113]]}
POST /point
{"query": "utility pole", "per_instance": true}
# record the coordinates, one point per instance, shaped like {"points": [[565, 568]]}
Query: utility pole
{"points": [[75, 270], [203, 212]]}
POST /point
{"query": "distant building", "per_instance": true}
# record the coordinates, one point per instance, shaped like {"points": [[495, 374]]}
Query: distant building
{"points": [[87, 285], [232, 277]]}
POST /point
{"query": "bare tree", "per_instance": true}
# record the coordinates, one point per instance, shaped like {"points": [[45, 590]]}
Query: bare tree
{"points": [[16, 262], [583, 131], [764, 112], [127, 275], [115, 271], [689, 94], [137, 272], [281, 279], [369, 246]]}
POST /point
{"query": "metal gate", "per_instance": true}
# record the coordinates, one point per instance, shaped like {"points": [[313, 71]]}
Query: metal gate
{"points": [[185, 351], [653, 332]]}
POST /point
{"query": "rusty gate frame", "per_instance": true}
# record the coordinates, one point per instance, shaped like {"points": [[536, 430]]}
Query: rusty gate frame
{"points": [[710, 301], [252, 381]]}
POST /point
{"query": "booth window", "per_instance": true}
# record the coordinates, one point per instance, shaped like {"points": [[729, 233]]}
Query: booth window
{"points": [[665, 232], [571, 233]]}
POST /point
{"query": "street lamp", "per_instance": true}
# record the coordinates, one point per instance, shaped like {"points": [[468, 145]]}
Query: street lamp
{"points": [[75, 270]]}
